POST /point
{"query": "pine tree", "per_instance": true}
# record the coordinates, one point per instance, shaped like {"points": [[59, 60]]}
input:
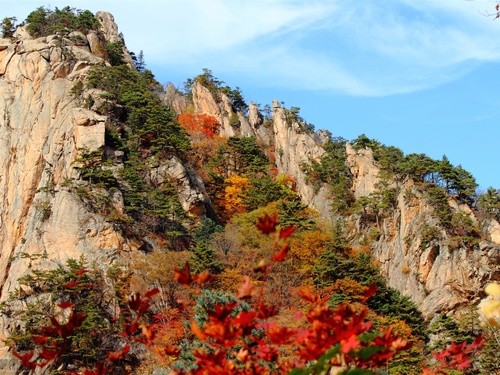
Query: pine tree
{"points": [[204, 258], [8, 26], [328, 266]]}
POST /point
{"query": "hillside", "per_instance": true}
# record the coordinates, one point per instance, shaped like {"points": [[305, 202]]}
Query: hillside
{"points": [[104, 165]]}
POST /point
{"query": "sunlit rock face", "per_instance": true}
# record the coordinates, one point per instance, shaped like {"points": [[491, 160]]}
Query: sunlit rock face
{"points": [[44, 126], [435, 276]]}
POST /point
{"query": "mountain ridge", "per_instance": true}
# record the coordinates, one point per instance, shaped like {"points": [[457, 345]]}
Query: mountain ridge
{"points": [[65, 194]]}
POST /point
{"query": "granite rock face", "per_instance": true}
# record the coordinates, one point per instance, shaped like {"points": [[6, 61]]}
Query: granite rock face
{"points": [[44, 126], [435, 276]]}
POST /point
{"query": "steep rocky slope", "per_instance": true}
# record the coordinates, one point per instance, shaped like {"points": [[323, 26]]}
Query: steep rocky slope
{"points": [[44, 125], [43, 128], [436, 277]]}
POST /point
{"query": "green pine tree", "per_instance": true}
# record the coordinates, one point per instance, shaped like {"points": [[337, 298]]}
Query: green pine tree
{"points": [[204, 258]]}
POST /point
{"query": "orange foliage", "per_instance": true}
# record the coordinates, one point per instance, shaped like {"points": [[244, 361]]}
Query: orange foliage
{"points": [[229, 280], [309, 245], [199, 123], [351, 288], [234, 193], [202, 151]]}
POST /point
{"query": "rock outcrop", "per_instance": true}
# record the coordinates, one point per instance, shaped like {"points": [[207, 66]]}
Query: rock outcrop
{"points": [[43, 128], [436, 277], [293, 147]]}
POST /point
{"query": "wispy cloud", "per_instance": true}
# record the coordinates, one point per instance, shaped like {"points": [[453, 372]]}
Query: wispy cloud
{"points": [[371, 48]]}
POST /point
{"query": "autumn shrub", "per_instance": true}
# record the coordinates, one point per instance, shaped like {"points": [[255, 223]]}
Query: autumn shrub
{"points": [[240, 335], [70, 320], [196, 124], [229, 334]]}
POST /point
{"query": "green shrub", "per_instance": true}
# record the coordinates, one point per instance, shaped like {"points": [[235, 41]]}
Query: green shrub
{"points": [[44, 21], [429, 233]]}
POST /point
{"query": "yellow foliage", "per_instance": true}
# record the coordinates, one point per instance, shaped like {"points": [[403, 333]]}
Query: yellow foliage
{"points": [[287, 182], [230, 280], [308, 246], [350, 288], [234, 193]]}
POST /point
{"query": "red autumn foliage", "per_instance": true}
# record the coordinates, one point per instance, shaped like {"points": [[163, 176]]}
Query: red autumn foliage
{"points": [[456, 356], [245, 341], [267, 224], [336, 335], [183, 276], [54, 340], [199, 123]]}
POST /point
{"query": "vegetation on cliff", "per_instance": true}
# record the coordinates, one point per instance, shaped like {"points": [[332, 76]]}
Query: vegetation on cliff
{"points": [[302, 302]]}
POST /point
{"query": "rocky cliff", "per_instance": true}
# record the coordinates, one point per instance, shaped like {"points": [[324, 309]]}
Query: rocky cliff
{"points": [[435, 276], [44, 126], [43, 129]]}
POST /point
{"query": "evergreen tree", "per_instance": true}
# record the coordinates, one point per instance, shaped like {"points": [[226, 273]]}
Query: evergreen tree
{"points": [[140, 64], [206, 230], [489, 203], [8, 26], [37, 22], [204, 258], [115, 53], [328, 267], [447, 330]]}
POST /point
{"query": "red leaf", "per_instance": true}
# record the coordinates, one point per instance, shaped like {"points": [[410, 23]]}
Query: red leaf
{"points": [[278, 336], [197, 331], [477, 344], [264, 311], [80, 272], [129, 329], [25, 359], [148, 333], [120, 354], [246, 289], [280, 257], [267, 353], [203, 278], [139, 304], [267, 224], [41, 340], [245, 319], [172, 351], [372, 289], [308, 296], [48, 353], [350, 344], [72, 284], [183, 276], [65, 305], [100, 370], [287, 232], [152, 292]]}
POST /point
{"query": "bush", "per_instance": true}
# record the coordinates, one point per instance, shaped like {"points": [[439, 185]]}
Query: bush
{"points": [[44, 21], [429, 233], [72, 321]]}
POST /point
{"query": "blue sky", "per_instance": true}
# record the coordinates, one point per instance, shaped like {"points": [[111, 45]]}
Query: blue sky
{"points": [[420, 75]]}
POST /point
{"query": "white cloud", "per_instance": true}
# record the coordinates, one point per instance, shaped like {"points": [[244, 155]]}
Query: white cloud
{"points": [[368, 48]]}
